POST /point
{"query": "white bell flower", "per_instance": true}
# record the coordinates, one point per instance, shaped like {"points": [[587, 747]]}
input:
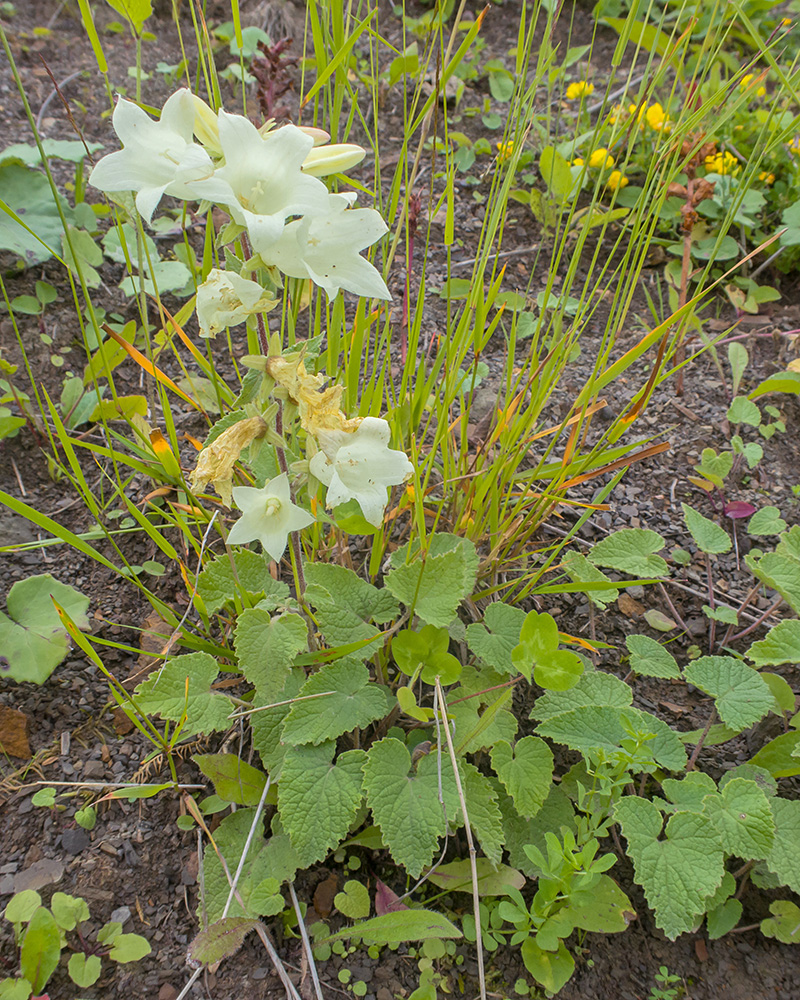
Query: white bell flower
{"points": [[266, 178], [333, 159], [325, 246], [362, 468], [158, 158], [268, 516], [227, 299]]}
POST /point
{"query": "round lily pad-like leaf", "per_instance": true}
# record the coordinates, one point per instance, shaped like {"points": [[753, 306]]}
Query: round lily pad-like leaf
{"points": [[560, 672], [27, 193]]}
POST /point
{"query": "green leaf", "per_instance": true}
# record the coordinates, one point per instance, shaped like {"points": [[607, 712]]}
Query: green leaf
{"points": [[678, 873], [721, 613], [780, 645], [492, 881], [609, 911], [723, 918], [580, 570], [234, 779], [520, 833], [82, 255], [220, 940], [632, 551], [265, 899], [787, 381], [526, 772], [183, 684], [22, 906], [650, 658], [267, 725], [35, 642], [317, 799], [781, 691], [715, 467], [556, 173], [129, 948], [14, 989], [28, 194], [779, 756], [476, 729], [741, 813], [353, 900], [594, 688], [493, 641], [779, 571], [230, 838], [84, 970], [405, 803], [426, 650], [355, 701], [783, 858], [346, 605], [744, 411], [551, 969], [784, 924], [767, 521], [217, 585], [71, 150], [68, 911], [399, 926], [707, 534], [740, 694], [434, 584], [690, 791], [41, 949], [266, 646], [553, 669], [484, 812], [135, 11]]}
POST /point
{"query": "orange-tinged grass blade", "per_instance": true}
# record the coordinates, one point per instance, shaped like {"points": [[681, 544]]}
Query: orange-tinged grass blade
{"points": [[566, 637], [164, 454], [150, 368], [588, 412], [620, 463], [179, 330], [162, 491], [197, 445]]}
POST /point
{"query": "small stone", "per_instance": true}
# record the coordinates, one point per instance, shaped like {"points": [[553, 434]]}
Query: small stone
{"points": [[94, 770], [167, 992], [259, 973], [75, 841], [48, 871], [121, 914], [6, 885]]}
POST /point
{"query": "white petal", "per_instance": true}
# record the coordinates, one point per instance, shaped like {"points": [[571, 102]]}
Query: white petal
{"points": [[178, 114], [321, 468]]}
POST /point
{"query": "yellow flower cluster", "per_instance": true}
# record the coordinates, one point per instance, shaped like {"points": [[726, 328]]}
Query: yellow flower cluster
{"points": [[505, 151], [579, 89], [654, 115], [616, 181], [767, 177], [723, 163], [601, 159], [746, 83], [657, 118]]}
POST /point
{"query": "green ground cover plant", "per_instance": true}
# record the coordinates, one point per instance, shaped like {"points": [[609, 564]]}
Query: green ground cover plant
{"points": [[367, 563]]}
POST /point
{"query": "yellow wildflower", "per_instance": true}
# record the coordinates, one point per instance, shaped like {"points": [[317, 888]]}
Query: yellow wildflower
{"points": [[657, 118], [616, 113], [634, 109], [746, 82], [601, 158], [505, 151], [766, 177], [578, 161], [723, 163], [786, 22], [616, 180], [579, 89]]}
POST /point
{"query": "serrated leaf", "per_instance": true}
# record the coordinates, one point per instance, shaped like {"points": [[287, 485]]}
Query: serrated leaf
{"points": [[740, 694], [678, 873], [355, 701], [220, 940], [353, 900], [405, 803], [784, 924], [317, 799], [708, 535], [526, 772], [767, 521], [492, 881], [580, 570], [346, 605], [477, 728], [556, 813], [649, 658], [399, 926], [234, 779], [267, 725], [435, 584], [741, 813], [779, 756], [779, 571], [183, 684], [690, 791], [594, 688], [723, 918], [632, 551], [484, 811], [783, 858], [780, 645], [266, 646], [35, 641], [217, 584], [609, 912], [493, 641]]}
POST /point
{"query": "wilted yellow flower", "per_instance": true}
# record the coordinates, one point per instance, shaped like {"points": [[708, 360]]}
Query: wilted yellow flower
{"points": [[657, 118], [616, 180], [317, 408], [216, 461], [601, 158], [723, 163], [579, 89], [766, 177]]}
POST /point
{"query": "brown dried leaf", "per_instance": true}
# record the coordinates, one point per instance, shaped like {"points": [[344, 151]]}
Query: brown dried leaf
{"points": [[14, 726], [630, 607]]}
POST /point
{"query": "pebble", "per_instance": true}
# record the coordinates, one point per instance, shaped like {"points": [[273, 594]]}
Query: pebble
{"points": [[75, 841], [122, 914], [94, 770], [48, 871], [259, 973]]}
